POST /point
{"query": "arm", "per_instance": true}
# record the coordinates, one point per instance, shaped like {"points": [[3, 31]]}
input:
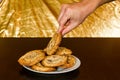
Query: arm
{"points": [[71, 15], [105, 1]]}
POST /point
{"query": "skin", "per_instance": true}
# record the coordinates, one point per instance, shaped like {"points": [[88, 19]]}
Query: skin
{"points": [[71, 15]]}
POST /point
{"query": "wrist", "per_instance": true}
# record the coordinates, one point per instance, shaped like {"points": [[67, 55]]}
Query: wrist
{"points": [[92, 4]]}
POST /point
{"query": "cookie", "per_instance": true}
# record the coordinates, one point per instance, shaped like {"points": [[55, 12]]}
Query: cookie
{"points": [[54, 60], [39, 67], [53, 44], [70, 62], [32, 57], [63, 51]]}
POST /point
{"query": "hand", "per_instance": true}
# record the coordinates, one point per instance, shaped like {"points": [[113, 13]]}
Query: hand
{"points": [[71, 15]]}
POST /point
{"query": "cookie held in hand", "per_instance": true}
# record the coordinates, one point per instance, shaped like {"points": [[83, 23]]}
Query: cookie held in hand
{"points": [[53, 44]]}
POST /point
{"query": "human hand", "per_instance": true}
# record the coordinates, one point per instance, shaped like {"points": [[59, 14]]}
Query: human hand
{"points": [[71, 15]]}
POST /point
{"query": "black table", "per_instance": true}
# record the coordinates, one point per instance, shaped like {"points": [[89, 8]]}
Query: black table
{"points": [[100, 58]]}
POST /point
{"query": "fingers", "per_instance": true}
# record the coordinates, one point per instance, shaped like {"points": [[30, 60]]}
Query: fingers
{"points": [[69, 18], [62, 11], [63, 18], [69, 28], [60, 29], [72, 15]]}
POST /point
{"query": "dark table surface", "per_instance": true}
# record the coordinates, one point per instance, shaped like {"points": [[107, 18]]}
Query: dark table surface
{"points": [[100, 58]]}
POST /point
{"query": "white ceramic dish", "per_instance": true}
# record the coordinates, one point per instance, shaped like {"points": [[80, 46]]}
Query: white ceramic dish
{"points": [[59, 70]]}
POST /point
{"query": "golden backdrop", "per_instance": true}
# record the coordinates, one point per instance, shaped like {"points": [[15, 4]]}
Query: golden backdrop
{"points": [[38, 18]]}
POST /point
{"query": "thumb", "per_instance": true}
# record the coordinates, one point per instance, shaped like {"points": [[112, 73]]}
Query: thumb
{"points": [[60, 29]]}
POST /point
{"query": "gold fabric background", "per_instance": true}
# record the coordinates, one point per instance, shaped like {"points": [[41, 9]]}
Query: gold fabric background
{"points": [[38, 18]]}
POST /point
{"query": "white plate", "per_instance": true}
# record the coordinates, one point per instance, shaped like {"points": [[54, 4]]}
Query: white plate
{"points": [[59, 70]]}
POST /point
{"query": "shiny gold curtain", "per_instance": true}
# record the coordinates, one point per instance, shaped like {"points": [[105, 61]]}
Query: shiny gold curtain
{"points": [[38, 18]]}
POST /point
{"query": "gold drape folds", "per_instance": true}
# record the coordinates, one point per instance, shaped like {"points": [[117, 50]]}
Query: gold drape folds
{"points": [[38, 18]]}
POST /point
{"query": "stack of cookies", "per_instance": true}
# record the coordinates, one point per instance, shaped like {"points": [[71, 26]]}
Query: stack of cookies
{"points": [[49, 59]]}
